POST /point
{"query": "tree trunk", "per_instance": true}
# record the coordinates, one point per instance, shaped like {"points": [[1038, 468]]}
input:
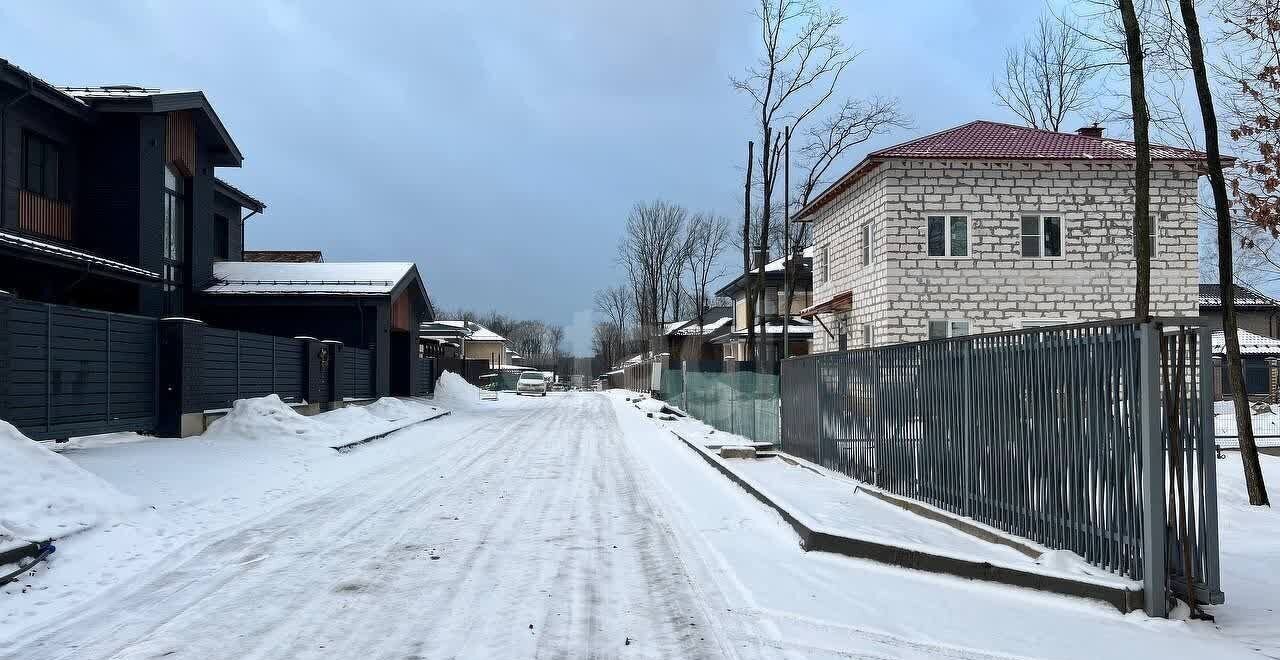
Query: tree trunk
{"points": [[1142, 168], [1254, 482], [746, 256], [763, 248]]}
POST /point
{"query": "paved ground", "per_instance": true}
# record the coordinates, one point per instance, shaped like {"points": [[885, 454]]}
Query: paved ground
{"points": [[565, 527]]}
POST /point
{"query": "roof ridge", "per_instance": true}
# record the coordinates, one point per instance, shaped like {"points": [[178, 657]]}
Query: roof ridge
{"points": [[934, 134]]}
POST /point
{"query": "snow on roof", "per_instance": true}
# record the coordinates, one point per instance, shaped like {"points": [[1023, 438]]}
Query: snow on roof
{"points": [[81, 256], [637, 359], [1211, 296], [777, 265], [671, 327], [476, 332], [706, 329], [121, 92], [799, 328], [1250, 344], [315, 279]]}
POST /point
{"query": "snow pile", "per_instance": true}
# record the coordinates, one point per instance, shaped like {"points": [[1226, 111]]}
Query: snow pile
{"points": [[391, 408], [455, 393], [44, 495], [266, 418], [351, 420], [657, 406]]}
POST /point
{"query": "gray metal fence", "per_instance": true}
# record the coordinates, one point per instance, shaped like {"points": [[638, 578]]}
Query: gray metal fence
{"points": [[240, 365], [1043, 433], [68, 371]]}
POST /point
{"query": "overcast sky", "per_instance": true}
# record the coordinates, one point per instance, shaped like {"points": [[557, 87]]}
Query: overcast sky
{"points": [[497, 144]]}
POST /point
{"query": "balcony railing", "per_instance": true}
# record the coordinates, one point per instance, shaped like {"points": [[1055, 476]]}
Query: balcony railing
{"points": [[44, 216]]}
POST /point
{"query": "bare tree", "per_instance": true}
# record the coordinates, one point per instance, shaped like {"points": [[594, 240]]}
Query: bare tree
{"points": [[555, 341], [615, 305], [650, 251], [802, 60], [708, 237], [1142, 155], [1049, 77]]}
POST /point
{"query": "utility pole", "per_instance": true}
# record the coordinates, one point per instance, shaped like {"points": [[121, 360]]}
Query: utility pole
{"points": [[786, 243]]}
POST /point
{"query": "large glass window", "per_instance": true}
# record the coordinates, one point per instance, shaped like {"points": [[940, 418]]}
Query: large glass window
{"points": [[944, 328], [42, 173], [1041, 236], [948, 236], [173, 257]]}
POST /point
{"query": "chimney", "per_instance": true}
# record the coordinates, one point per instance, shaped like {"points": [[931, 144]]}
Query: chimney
{"points": [[1094, 131], [761, 257]]}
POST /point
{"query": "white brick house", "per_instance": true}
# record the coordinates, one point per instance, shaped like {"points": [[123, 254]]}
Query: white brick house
{"points": [[987, 227]]}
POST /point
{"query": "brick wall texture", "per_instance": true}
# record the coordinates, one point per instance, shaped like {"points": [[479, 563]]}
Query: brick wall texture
{"points": [[994, 288]]}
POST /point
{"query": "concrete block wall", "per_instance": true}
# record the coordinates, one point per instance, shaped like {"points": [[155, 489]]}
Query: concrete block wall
{"points": [[994, 288]]}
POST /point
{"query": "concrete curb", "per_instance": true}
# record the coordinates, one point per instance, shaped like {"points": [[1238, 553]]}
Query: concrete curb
{"points": [[1125, 600], [344, 448]]}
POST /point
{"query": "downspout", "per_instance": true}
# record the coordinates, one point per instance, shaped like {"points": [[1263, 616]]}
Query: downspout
{"points": [[4, 144]]}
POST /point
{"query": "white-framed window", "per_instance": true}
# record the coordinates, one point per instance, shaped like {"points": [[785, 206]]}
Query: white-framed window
{"points": [[1042, 236], [948, 235], [825, 266], [1043, 322], [868, 335], [866, 244], [944, 328]]}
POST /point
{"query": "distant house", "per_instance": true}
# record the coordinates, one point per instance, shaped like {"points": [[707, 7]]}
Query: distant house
{"points": [[1255, 312], [688, 341], [1257, 353], [988, 226], [477, 341], [286, 256], [770, 306]]}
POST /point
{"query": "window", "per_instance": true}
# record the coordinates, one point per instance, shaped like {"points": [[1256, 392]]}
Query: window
{"points": [[1257, 377], [944, 328], [867, 337], [948, 235], [866, 244], [174, 242], [770, 301], [825, 269], [221, 237], [842, 342], [42, 174], [1042, 236]]}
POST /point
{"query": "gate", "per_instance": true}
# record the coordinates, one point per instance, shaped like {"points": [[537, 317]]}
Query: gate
{"points": [[67, 371]]}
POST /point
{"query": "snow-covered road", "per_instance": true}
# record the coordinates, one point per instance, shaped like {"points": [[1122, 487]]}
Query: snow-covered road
{"points": [[564, 527]]}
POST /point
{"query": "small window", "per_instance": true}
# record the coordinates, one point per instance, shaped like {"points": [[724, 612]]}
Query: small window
{"points": [[1041, 236], [867, 336], [866, 244], [221, 237], [946, 328], [842, 341], [948, 235], [826, 264], [43, 172]]}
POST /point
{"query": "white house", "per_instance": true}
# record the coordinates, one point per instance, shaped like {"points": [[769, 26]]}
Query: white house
{"points": [[987, 227]]}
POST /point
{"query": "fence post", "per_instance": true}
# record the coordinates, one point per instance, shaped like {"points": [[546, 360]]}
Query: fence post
{"points": [[1209, 466], [1151, 448], [817, 408], [107, 408], [181, 346], [967, 454], [238, 365], [684, 385]]}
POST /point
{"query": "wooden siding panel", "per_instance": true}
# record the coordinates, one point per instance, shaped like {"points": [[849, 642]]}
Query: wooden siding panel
{"points": [[180, 141], [401, 309], [43, 216]]}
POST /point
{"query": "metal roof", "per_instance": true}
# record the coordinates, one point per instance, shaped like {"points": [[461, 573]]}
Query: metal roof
{"points": [[79, 256], [316, 279], [1211, 296]]}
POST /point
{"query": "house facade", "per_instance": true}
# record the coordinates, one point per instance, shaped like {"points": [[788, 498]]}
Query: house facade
{"points": [[111, 200], [771, 306], [1256, 313], [988, 227]]}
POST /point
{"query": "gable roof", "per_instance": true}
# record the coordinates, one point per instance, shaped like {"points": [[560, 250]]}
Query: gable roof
{"points": [[990, 140], [244, 199], [1250, 343], [131, 98], [1211, 296], [313, 279], [474, 331], [774, 270]]}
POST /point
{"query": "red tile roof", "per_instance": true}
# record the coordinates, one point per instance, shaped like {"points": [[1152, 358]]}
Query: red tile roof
{"points": [[993, 140], [989, 140]]}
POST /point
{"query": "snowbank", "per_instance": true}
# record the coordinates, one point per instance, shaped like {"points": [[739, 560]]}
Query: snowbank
{"points": [[44, 495], [267, 418], [455, 393], [657, 406], [393, 409]]}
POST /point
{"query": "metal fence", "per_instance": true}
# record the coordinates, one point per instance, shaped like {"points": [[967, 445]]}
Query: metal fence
{"points": [[240, 365], [355, 372], [1043, 433], [744, 403], [69, 371]]}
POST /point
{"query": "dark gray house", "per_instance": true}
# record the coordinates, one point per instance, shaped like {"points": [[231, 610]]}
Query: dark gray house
{"points": [[110, 200]]}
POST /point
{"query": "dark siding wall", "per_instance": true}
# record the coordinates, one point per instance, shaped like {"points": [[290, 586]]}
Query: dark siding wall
{"points": [[201, 193], [109, 221], [32, 114], [231, 211], [322, 321], [150, 178]]}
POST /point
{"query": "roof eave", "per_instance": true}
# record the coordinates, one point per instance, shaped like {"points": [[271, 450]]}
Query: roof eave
{"points": [[230, 156]]}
